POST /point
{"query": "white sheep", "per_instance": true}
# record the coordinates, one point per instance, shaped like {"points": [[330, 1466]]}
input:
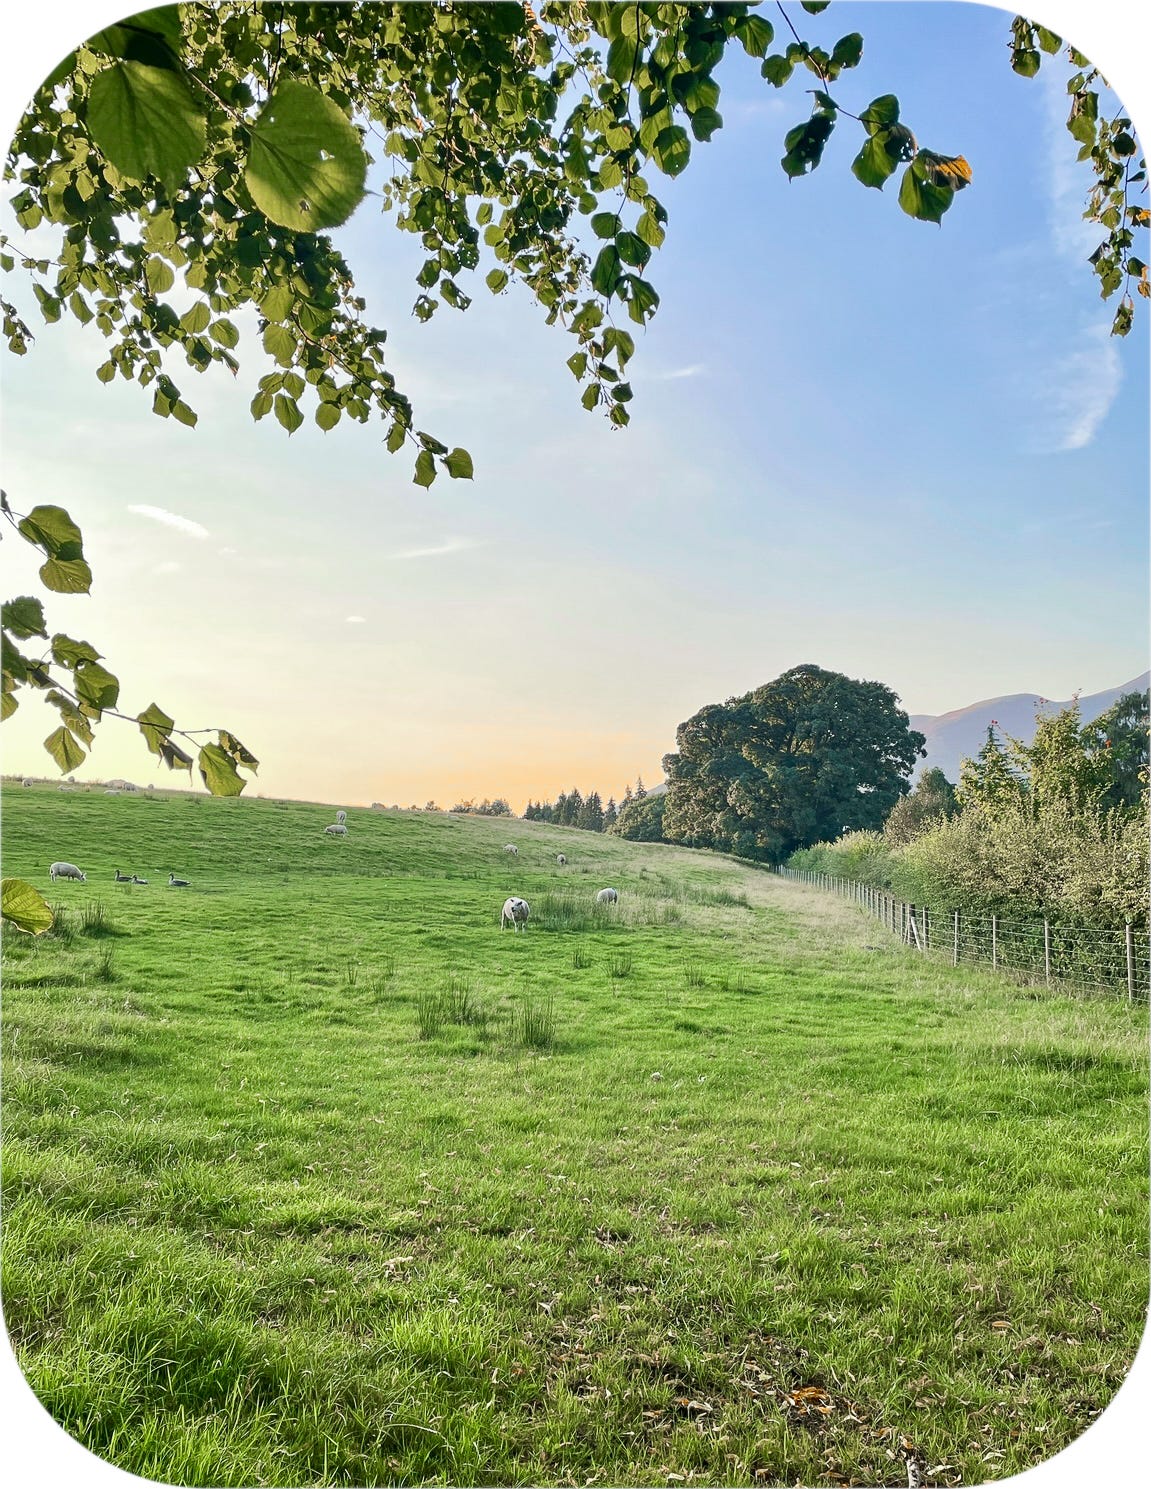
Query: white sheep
{"points": [[515, 913], [607, 897], [66, 871], [337, 830], [29, 783], [174, 883], [561, 858], [512, 849]]}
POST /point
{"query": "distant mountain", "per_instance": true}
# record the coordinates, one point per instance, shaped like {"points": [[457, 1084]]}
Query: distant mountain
{"points": [[952, 736]]}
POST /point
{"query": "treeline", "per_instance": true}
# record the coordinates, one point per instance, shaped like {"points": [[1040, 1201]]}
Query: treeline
{"points": [[1056, 828], [574, 809]]}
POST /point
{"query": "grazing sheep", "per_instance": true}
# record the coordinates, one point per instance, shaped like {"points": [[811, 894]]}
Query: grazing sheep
{"points": [[561, 858], [515, 913], [29, 783], [123, 878], [337, 830], [341, 817], [607, 897], [174, 883], [512, 849], [66, 871]]}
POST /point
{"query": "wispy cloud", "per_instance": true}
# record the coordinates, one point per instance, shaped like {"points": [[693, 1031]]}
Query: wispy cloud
{"points": [[450, 545], [1081, 386], [1080, 389], [170, 519], [355, 620], [695, 370], [1074, 239]]}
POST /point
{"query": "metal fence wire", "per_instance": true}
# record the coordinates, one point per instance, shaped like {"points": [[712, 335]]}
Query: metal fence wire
{"points": [[1102, 959]]}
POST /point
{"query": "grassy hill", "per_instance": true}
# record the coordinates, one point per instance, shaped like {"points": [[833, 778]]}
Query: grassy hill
{"points": [[313, 1175]]}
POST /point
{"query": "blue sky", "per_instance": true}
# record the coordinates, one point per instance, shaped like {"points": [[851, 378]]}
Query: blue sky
{"points": [[906, 452]]}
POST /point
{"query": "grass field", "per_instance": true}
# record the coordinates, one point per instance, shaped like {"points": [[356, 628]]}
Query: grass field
{"points": [[314, 1176]]}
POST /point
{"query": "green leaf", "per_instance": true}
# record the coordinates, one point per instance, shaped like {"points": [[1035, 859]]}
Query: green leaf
{"points": [[158, 275], [1048, 40], [1025, 61], [777, 69], [146, 121], [497, 280], [62, 746], [705, 122], [459, 464], [25, 907], [239, 753], [95, 685], [155, 726], [327, 415], [672, 149], [922, 200], [8, 703], [218, 771], [880, 113], [288, 413], [873, 165], [621, 58], [278, 302], [67, 576], [68, 653], [755, 33], [24, 617], [197, 319], [578, 363], [306, 165], [847, 50], [70, 713], [425, 472], [183, 414], [632, 250], [604, 224], [649, 230], [51, 529], [605, 274]]}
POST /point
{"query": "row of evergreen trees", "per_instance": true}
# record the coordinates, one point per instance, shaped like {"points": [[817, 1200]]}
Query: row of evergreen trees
{"points": [[574, 809]]}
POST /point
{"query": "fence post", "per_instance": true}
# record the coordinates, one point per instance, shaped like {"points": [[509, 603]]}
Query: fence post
{"points": [[1130, 963], [925, 926], [994, 943], [1047, 950], [955, 943]]}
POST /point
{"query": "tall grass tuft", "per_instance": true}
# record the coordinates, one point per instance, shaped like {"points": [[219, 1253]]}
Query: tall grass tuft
{"points": [[694, 975], [581, 957], [430, 1014], [94, 921], [106, 965], [536, 1024], [621, 964]]}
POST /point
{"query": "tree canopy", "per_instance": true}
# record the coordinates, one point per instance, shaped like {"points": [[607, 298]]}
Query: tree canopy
{"points": [[795, 762], [204, 153]]}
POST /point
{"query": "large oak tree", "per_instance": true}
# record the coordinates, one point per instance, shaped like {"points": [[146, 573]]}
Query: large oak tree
{"points": [[798, 761]]}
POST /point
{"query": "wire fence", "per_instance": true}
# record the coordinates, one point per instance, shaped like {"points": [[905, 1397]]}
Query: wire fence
{"points": [[1089, 958]]}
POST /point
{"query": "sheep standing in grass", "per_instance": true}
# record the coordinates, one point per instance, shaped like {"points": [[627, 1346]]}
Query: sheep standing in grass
{"points": [[512, 849], [66, 871], [515, 913], [561, 859], [339, 828], [607, 897]]}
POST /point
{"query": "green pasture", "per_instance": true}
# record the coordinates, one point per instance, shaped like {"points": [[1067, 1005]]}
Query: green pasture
{"points": [[313, 1175]]}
